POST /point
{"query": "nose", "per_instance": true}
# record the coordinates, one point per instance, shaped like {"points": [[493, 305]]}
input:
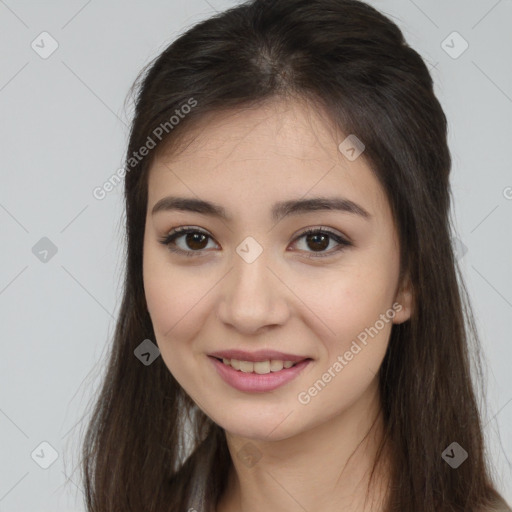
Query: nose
{"points": [[253, 297]]}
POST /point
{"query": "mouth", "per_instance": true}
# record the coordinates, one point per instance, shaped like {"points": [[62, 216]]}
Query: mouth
{"points": [[259, 367], [258, 376]]}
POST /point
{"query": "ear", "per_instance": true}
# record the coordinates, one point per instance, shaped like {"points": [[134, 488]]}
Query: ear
{"points": [[404, 302]]}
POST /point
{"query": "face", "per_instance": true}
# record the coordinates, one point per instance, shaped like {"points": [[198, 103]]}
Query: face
{"points": [[254, 280]]}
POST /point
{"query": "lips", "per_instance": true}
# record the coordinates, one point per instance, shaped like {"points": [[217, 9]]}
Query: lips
{"points": [[258, 383], [258, 355]]}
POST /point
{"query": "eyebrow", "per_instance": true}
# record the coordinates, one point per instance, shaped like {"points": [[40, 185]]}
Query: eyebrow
{"points": [[279, 210]]}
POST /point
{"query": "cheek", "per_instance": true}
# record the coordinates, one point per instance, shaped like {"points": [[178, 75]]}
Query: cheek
{"points": [[362, 320], [171, 311], [178, 303], [169, 305], [356, 306], [173, 296], [349, 300]]}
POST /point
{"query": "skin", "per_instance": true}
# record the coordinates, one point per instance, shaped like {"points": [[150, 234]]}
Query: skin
{"points": [[314, 307]]}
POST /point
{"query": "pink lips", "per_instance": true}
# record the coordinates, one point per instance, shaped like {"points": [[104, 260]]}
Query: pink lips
{"points": [[253, 382]]}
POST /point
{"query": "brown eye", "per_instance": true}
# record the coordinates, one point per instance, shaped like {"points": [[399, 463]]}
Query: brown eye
{"points": [[317, 240], [194, 241]]}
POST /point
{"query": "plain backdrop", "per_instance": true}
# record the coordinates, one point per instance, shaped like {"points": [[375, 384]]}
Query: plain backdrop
{"points": [[63, 132]]}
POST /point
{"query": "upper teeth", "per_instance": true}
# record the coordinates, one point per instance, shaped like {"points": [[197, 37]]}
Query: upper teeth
{"points": [[260, 367]]}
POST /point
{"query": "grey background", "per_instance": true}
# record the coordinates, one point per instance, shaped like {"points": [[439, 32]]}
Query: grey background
{"points": [[63, 132]]}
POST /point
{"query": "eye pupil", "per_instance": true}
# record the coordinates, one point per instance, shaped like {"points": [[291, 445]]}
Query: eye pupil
{"points": [[323, 244], [193, 238]]}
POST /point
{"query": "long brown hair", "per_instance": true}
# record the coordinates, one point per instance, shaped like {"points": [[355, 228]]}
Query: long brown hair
{"points": [[146, 439]]}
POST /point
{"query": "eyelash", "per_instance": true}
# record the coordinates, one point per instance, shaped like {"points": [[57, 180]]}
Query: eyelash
{"points": [[178, 232]]}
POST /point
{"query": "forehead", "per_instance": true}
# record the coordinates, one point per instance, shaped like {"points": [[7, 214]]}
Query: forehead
{"points": [[292, 128], [281, 149]]}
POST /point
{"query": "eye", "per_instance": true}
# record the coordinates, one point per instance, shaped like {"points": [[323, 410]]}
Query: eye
{"points": [[319, 239], [194, 238], [195, 241]]}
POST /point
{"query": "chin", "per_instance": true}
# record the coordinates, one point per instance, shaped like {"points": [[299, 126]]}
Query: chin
{"points": [[259, 428]]}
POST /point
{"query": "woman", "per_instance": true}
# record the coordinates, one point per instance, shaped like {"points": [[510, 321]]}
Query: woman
{"points": [[289, 253]]}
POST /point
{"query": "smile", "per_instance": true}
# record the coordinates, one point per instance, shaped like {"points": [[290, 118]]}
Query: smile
{"points": [[259, 376], [259, 367]]}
